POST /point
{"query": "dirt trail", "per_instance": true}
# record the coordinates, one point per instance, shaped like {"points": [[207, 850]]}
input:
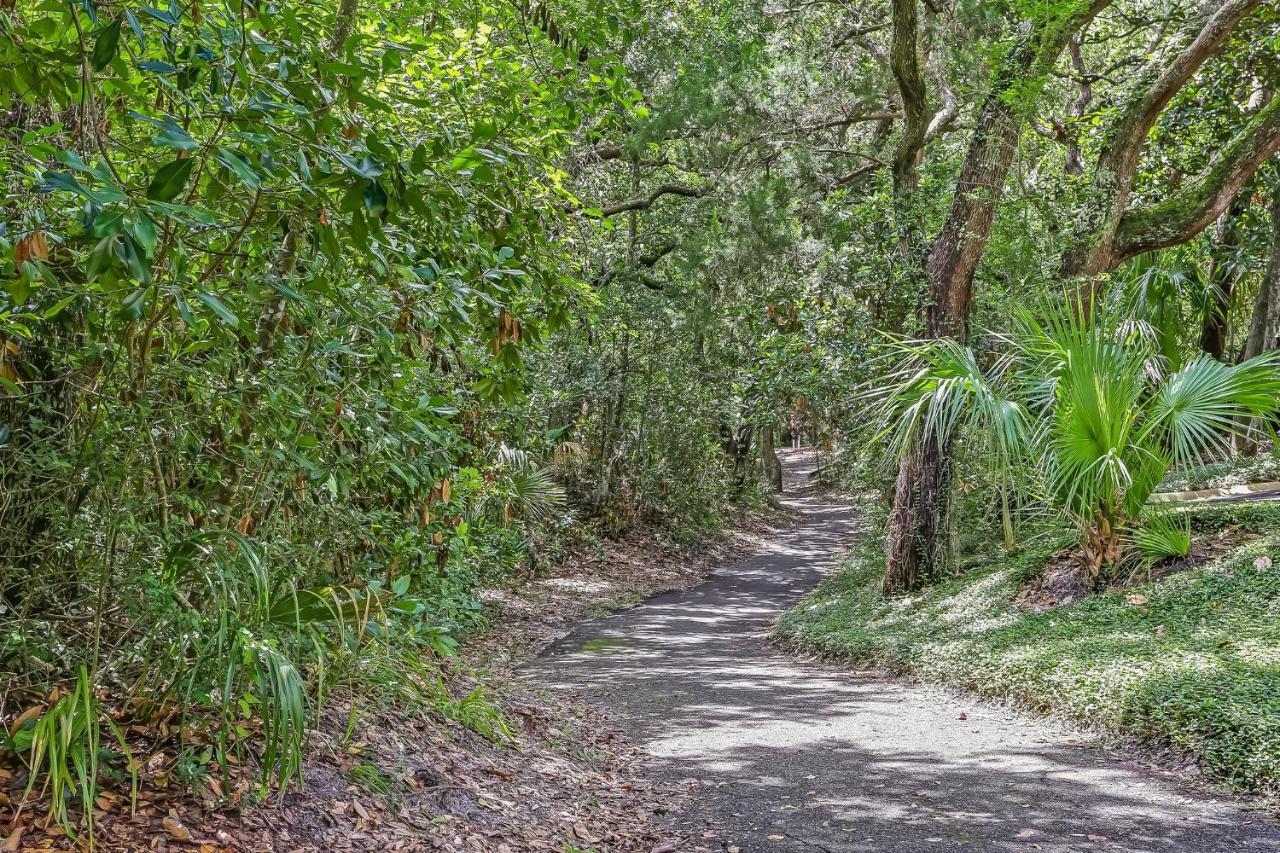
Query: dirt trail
{"points": [[797, 757]]}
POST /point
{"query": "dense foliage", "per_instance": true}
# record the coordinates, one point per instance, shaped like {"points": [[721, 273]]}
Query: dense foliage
{"points": [[316, 321]]}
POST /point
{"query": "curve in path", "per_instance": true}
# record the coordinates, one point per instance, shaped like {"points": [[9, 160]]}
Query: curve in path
{"points": [[797, 757]]}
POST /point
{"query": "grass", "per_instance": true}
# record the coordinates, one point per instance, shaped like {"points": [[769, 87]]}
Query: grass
{"points": [[1190, 662]]}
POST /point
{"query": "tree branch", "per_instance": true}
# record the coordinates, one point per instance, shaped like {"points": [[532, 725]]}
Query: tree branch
{"points": [[1201, 201], [647, 202], [1151, 91], [855, 33], [905, 62], [851, 119], [1204, 34], [648, 261]]}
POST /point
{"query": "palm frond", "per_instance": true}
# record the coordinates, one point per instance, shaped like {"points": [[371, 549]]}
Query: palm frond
{"points": [[1094, 424], [1200, 406], [943, 389], [537, 495], [1162, 536]]}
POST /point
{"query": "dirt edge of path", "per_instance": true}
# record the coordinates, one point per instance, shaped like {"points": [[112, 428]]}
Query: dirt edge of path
{"points": [[378, 776]]}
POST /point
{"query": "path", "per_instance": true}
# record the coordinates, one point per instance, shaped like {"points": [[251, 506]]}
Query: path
{"points": [[793, 757]]}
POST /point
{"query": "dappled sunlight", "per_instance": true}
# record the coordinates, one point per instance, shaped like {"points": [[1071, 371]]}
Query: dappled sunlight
{"points": [[849, 761]]}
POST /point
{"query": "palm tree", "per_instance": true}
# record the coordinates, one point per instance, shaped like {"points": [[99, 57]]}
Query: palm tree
{"points": [[1090, 407]]}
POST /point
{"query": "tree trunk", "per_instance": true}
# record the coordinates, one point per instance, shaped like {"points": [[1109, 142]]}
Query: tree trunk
{"points": [[612, 429], [1264, 325], [1215, 322], [917, 549], [772, 465], [742, 456]]}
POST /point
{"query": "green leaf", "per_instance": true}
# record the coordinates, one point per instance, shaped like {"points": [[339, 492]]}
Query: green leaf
{"points": [[101, 258], [170, 180], [247, 176], [104, 48], [216, 305], [57, 308], [173, 136], [131, 307], [143, 231], [366, 167]]}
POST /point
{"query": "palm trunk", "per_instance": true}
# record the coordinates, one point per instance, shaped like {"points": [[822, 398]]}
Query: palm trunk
{"points": [[917, 548]]}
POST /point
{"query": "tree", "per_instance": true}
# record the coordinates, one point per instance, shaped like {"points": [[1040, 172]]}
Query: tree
{"points": [[1079, 401], [1110, 231]]}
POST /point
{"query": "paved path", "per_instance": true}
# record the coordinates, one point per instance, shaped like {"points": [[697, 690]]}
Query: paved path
{"points": [[794, 757]]}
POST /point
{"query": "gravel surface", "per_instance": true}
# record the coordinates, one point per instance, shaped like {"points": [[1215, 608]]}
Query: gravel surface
{"points": [[792, 756]]}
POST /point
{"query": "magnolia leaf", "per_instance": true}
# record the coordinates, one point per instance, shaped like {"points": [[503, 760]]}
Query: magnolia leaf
{"points": [[170, 180], [104, 48]]}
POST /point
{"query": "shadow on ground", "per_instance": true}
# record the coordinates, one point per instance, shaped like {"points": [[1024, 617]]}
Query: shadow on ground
{"points": [[793, 757]]}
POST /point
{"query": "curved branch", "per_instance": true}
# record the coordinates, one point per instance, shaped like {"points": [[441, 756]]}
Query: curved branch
{"points": [[647, 202], [648, 261], [1183, 215], [1151, 92]]}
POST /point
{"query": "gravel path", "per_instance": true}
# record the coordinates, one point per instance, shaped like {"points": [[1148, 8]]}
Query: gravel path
{"points": [[797, 757]]}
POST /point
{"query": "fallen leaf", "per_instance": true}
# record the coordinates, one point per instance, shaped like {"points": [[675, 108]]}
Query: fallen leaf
{"points": [[175, 828], [29, 714], [11, 843], [1137, 598]]}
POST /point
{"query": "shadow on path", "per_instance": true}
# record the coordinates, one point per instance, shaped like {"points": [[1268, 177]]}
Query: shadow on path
{"points": [[794, 757]]}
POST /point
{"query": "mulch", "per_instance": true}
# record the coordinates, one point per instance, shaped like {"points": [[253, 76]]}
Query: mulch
{"points": [[1065, 579]]}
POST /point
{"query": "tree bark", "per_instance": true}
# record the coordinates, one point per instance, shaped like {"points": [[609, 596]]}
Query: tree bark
{"points": [[917, 550], [1264, 325], [1201, 201]]}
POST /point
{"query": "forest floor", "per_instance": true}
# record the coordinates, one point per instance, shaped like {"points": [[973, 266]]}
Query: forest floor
{"points": [[791, 756], [513, 769]]}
